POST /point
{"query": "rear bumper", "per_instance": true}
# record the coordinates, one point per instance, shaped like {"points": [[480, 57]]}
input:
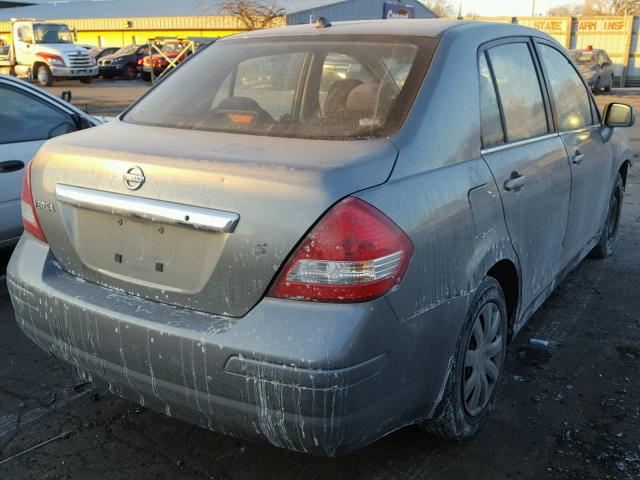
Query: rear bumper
{"points": [[323, 379], [74, 72]]}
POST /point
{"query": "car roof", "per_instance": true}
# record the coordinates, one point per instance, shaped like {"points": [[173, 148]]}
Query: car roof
{"points": [[435, 28]]}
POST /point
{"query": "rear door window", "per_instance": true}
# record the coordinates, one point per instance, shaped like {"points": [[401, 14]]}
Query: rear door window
{"points": [[519, 90], [568, 92], [490, 122]]}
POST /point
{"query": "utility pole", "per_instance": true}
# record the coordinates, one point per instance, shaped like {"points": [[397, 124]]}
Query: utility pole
{"points": [[533, 8]]}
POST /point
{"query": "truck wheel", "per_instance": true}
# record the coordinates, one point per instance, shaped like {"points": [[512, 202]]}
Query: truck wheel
{"points": [[477, 366], [130, 72], [44, 76], [611, 225], [146, 76], [86, 80]]}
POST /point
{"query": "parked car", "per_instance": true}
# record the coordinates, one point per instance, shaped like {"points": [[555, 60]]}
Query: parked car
{"points": [[123, 63], [28, 117], [319, 263], [171, 49], [159, 62], [596, 67], [98, 52]]}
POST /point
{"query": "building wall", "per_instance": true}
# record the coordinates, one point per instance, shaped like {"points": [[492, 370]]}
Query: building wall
{"points": [[119, 32], [354, 10]]}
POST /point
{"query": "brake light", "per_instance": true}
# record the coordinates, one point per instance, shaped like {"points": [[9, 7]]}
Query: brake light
{"points": [[29, 216], [354, 254]]}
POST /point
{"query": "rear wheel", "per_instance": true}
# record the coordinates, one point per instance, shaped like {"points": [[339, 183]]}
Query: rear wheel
{"points": [[44, 76], [146, 76], [611, 226], [86, 80], [477, 367]]}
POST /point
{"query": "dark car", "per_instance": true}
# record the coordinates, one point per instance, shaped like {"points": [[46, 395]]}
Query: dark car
{"points": [[123, 63], [596, 67], [285, 240], [98, 52]]}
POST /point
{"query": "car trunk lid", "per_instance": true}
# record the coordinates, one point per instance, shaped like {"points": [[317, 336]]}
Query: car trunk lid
{"points": [[214, 217]]}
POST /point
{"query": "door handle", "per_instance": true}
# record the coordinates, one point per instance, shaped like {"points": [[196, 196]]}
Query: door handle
{"points": [[515, 183], [11, 166], [577, 157]]}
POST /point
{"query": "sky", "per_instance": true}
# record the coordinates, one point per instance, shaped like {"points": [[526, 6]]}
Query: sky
{"points": [[506, 7]]}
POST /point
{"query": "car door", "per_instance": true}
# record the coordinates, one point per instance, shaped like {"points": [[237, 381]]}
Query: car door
{"points": [[590, 156], [26, 121], [528, 161]]}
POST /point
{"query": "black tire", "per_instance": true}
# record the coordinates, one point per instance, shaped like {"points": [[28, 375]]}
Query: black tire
{"points": [[146, 76], [44, 76], [606, 245], [86, 80], [456, 421], [107, 76], [130, 72]]}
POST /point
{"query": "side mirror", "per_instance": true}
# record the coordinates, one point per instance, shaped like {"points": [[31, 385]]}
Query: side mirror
{"points": [[618, 115], [605, 64], [82, 123]]}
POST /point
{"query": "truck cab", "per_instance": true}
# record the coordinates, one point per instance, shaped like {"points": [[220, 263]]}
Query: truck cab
{"points": [[45, 51]]}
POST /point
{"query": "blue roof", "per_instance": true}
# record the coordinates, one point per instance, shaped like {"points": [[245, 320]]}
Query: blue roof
{"points": [[76, 9]]}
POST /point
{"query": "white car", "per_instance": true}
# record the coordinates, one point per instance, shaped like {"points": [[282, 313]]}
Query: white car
{"points": [[29, 116]]}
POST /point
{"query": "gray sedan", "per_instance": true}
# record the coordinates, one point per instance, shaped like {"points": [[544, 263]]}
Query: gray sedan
{"points": [[28, 117], [333, 232]]}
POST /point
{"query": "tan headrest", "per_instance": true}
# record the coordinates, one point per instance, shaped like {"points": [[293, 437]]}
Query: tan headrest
{"points": [[364, 98]]}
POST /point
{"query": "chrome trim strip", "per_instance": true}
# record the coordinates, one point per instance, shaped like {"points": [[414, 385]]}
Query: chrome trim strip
{"points": [[148, 209], [520, 143], [581, 129]]}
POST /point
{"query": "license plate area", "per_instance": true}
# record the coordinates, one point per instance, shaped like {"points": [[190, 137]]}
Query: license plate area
{"points": [[146, 253]]}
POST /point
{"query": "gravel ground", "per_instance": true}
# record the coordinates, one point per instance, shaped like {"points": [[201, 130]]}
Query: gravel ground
{"points": [[570, 411]]}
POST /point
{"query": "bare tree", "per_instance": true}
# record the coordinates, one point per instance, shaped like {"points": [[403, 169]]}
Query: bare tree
{"points": [[572, 9], [442, 8], [611, 7], [253, 14]]}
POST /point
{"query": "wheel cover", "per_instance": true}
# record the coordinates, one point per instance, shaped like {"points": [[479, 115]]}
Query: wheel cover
{"points": [[43, 76], [483, 359]]}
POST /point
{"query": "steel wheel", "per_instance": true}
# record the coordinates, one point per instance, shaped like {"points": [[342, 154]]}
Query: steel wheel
{"points": [[483, 359], [44, 76]]}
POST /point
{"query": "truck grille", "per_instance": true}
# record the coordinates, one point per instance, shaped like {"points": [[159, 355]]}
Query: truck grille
{"points": [[79, 60]]}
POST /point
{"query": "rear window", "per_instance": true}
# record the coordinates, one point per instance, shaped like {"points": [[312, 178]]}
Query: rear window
{"points": [[328, 87]]}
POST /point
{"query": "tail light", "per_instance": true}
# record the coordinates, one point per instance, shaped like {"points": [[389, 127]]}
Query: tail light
{"points": [[354, 254], [29, 216]]}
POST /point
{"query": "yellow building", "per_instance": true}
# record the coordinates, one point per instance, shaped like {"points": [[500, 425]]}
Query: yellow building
{"points": [[116, 23]]}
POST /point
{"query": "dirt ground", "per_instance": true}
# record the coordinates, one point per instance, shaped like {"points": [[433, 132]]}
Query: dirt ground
{"points": [[569, 411]]}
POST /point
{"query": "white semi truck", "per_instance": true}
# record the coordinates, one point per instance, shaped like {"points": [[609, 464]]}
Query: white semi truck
{"points": [[44, 51]]}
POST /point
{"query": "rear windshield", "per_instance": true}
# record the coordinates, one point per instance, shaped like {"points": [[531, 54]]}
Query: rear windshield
{"points": [[320, 87]]}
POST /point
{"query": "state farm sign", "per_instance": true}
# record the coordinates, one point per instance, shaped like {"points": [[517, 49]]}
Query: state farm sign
{"points": [[600, 25]]}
